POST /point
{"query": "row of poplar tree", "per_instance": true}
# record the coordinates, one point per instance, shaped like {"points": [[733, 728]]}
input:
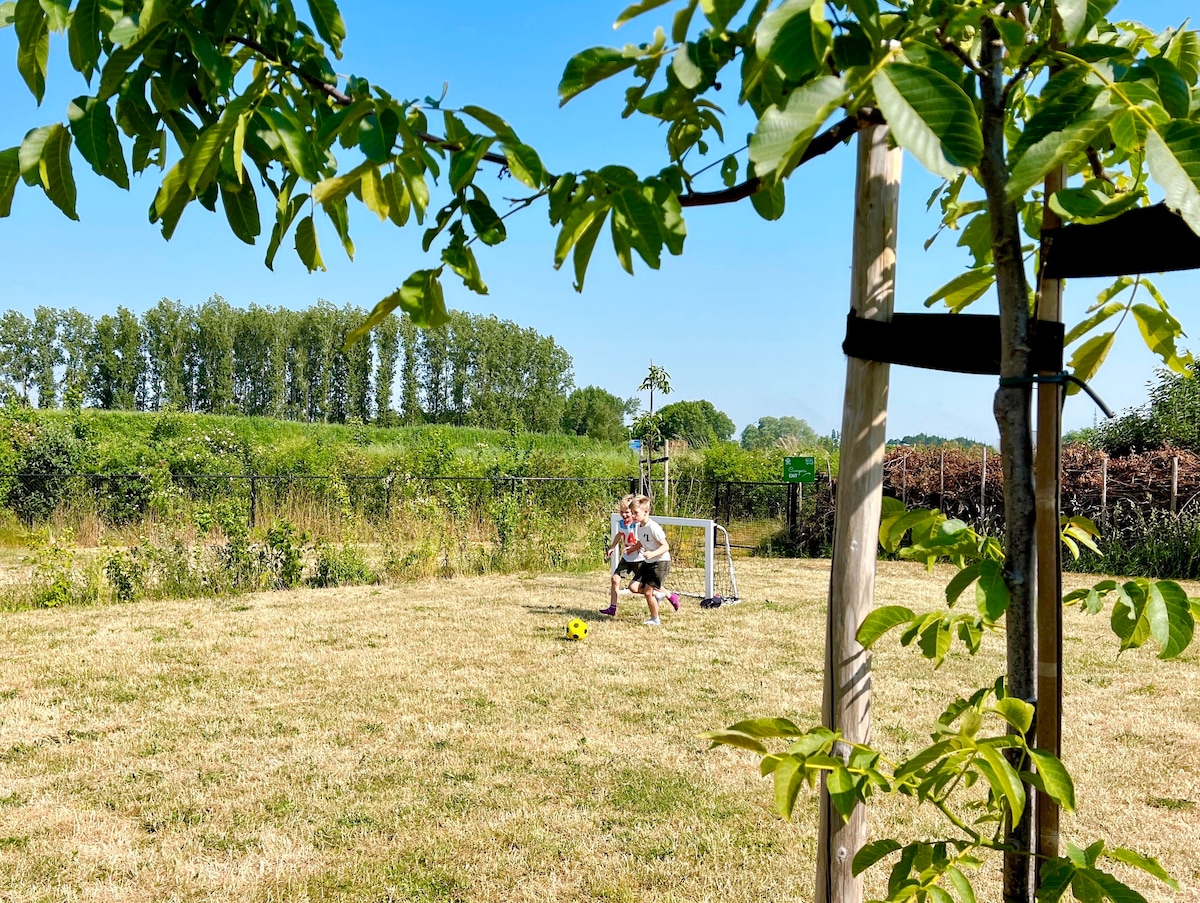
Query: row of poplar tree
{"points": [[273, 362]]}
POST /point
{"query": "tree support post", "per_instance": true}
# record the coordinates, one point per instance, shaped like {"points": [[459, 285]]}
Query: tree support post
{"points": [[1048, 488], [846, 698]]}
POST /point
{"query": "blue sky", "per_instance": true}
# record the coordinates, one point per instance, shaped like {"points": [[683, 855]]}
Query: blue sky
{"points": [[751, 317]]}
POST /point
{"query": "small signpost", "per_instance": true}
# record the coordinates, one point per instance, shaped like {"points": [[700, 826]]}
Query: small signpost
{"points": [[796, 472], [635, 444], [800, 470]]}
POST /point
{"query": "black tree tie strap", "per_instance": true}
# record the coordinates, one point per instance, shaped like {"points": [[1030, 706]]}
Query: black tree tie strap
{"points": [[1061, 378]]}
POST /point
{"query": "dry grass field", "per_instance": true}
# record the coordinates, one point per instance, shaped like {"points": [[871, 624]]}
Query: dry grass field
{"points": [[443, 741]]}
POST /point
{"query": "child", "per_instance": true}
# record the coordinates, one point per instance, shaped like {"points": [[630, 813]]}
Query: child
{"points": [[651, 541], [631, 557]]}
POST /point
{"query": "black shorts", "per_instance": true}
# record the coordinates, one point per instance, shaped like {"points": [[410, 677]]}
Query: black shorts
{"points": [[653, 573], [626, 568]]}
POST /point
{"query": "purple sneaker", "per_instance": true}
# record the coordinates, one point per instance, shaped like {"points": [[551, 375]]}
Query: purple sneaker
{"points": [[674, 600], [611, 611]]}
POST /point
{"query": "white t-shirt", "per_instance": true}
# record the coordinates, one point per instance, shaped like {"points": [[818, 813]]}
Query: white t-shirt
{"points": [[651, 536], [627, 531]]}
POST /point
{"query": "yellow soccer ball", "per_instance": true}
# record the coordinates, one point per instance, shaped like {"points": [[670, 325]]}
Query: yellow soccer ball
{"points": [[577, 629]]}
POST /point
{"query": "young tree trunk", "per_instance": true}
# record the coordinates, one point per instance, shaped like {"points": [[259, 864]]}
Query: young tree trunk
{"points": [[846, 700], [1012, 408]]}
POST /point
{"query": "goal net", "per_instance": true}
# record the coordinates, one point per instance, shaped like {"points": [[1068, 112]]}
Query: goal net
{"points": [[701, 564]]}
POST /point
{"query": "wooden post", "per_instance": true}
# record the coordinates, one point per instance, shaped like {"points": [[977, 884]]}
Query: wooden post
{"points": [[666, 505], [942, 481], [1174, 483], [1048, 503], [1103, 489], [983, 492], [846, 698]]}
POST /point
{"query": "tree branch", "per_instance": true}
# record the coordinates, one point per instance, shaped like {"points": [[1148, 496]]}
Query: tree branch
{"points": [[836, 134], [342, 99]]}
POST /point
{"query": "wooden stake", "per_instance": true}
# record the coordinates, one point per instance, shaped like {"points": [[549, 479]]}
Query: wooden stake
{"points": [[847, 694], [1048, 487], [1174, 483], [1103, 489]]}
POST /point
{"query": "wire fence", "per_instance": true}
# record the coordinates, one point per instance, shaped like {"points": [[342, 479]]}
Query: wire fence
{"points": [[761, 517]]}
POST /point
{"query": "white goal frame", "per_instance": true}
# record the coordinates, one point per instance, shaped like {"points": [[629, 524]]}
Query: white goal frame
{"points": [[710, 528]]}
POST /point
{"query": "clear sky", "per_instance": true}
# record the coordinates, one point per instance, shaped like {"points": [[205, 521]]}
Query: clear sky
{"points": [[751, 317]]}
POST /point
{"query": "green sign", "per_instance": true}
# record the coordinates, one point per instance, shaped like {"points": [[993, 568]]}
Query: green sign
{"points": [[800, 470]]}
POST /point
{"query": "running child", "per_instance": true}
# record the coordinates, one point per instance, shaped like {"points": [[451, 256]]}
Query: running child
{"points": [[651, 540], [631, 557]]}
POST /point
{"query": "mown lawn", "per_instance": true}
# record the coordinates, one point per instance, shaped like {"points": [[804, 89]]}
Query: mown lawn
{"points": [[444, 741]]}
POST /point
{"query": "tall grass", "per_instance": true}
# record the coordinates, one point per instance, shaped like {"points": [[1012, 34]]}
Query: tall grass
{"points": [[1147, 544]]}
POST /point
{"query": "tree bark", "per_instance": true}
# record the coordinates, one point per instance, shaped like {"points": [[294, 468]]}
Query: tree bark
{"points": [[847, 693], [1012, 408]]}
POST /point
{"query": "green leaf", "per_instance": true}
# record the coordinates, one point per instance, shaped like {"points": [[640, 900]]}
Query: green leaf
{"points": [[637, 220], [1147, 864], [1055, 877], [502, 130], [414, 179], [782, 135], [464, 163], [461, 259], [1017, 713], [307, 247], [788, 778], [1073, 15], [1089, 356], [870, 853], [768, 202], [880, 621], [964, 289], [204, 156], [171, 200], [45, 160], [330, 25], [58, 13], [1055, 780], [772, 727], [96, 137], [83, 38], [292, 137], [525, 165], [720, 12], [377, 134], [576, 224], [420, 297], [7, 13], [842, 790], [1091, 322], [582, 254], [930, 116], [33, 53], [991, 595], [1173, 158], [10, 174], [935, 640], [682, 21], [589, 67], [1068, 132], [735, 738], [1160, 331], [1180, 625], [395, 193], [960, 582], [1004, 781], [486, 222], [966, 894], [689, 74], [635, 10], [241, 209]]}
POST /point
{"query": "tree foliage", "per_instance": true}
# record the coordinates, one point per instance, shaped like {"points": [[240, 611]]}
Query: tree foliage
{"points": [[592, 411], [1169, 419], [698, 423], [768, 431], [274, 362]]}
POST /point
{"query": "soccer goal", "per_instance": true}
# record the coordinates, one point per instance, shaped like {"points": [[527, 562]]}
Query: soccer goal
{"points": [[701, 563]]}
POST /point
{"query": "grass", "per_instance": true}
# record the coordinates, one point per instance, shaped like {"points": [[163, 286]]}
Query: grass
{"points": [[443, 741]]}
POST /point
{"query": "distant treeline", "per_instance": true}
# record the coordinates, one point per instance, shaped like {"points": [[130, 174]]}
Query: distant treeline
{"points": [[273, 362]]}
